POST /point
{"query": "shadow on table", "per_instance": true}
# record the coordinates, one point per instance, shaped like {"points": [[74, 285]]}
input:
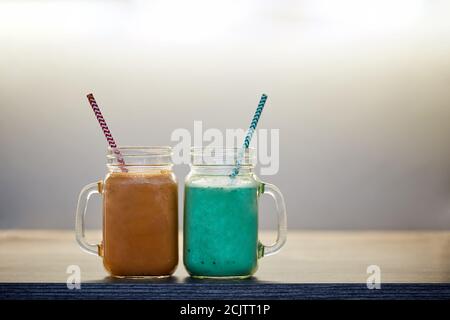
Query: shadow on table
{"points": [[113, 280], [177, 280], [251, 280]]}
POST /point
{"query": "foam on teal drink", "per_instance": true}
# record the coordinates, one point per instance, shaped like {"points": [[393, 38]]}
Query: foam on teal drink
{"points": [[221, 227]]}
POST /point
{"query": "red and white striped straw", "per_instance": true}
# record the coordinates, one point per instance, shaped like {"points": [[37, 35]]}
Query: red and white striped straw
{"points": [[106, 131]]}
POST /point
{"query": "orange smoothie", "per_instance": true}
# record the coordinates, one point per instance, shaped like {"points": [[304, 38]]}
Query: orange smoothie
{"points": [[140, 224]]}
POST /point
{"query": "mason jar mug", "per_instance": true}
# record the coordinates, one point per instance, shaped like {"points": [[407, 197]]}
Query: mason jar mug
{"points": [[140, 213], [221, 214]]}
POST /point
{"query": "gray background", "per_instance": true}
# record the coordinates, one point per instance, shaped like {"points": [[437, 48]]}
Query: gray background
{"points": [[360, 93]]}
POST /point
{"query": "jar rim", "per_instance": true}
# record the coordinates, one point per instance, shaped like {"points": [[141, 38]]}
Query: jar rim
{"points": [[222, 156], [221, 148], [139, 156], [140, 151]]}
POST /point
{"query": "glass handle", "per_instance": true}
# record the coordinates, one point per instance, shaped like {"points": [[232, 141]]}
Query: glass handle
{"points": [[276, 194], [83, 200]]}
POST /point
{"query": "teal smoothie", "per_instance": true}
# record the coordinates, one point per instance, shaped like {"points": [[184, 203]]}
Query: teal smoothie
{"points": [[221, 228]]}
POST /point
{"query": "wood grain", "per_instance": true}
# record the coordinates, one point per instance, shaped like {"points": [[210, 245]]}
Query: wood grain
{"points": [[309, 257]]}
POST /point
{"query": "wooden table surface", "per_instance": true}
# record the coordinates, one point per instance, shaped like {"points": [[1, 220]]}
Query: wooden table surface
{"points": [[34, 264]]}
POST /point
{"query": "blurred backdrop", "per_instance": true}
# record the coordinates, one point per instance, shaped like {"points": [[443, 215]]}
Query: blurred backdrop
{"points": [[360, 90]]}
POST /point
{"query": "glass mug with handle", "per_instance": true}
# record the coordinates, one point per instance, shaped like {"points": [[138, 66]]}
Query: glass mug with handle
{"points": [[140, 214], [221, 215]]}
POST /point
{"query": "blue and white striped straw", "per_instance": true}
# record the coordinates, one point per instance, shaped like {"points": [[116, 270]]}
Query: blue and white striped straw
{"points": [[249, 135]]}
